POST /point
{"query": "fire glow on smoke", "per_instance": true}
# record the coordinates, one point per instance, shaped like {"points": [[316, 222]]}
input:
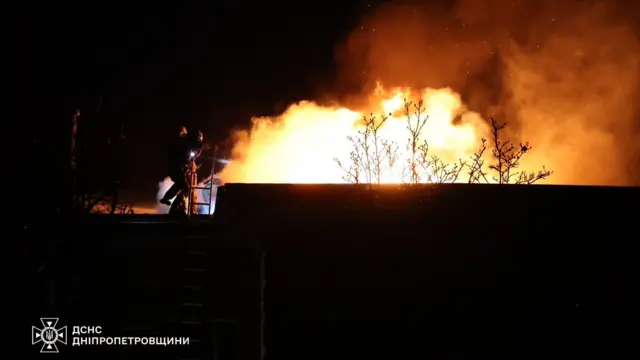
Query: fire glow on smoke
{"points": [[564, 76]]}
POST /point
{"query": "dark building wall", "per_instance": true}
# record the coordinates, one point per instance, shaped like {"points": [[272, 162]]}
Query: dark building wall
{"points": [[442, 271], [430, 271], [174, 279]]}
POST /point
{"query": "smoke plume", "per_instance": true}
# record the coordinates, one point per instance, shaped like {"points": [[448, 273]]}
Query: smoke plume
{"points": [[564, 74]]}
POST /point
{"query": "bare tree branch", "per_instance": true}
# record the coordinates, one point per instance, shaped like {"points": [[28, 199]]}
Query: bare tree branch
{"points": [[416, 121], [352, 171], [506, 161], [476, 168], [372, 155]]}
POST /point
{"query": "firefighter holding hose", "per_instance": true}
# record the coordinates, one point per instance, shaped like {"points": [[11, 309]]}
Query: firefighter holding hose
{"points": [[186, 148]]}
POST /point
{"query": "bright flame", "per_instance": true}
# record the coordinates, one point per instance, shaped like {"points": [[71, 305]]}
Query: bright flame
{"points": [[301, 145]]}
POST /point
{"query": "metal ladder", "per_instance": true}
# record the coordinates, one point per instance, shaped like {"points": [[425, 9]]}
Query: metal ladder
{"points": [[193, 301], [197, 315], [193, 199]]}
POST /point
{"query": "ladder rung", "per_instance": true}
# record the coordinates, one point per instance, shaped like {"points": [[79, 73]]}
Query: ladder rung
{"points": [[205, 204]]}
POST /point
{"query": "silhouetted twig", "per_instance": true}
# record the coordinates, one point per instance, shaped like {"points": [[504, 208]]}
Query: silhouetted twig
{"points": [[370, 155], [416, 120], [506, 161]]}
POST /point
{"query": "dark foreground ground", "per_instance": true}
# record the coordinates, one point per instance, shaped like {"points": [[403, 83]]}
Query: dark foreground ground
{"points": [[438, 272]]}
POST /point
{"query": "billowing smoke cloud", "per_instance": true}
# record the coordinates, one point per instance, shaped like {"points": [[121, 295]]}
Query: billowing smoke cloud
{"points": [[564, 74], [163, 186]]}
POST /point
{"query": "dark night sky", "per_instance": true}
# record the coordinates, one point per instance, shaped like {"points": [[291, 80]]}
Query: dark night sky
{"points": [[206, 64]]}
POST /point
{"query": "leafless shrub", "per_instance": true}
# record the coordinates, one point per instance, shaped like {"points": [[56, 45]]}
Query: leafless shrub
{"points": [[416, 120], [476, 167], [107, 206], [352, 171], [434, 170], [370, 155], [506, 161]]}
